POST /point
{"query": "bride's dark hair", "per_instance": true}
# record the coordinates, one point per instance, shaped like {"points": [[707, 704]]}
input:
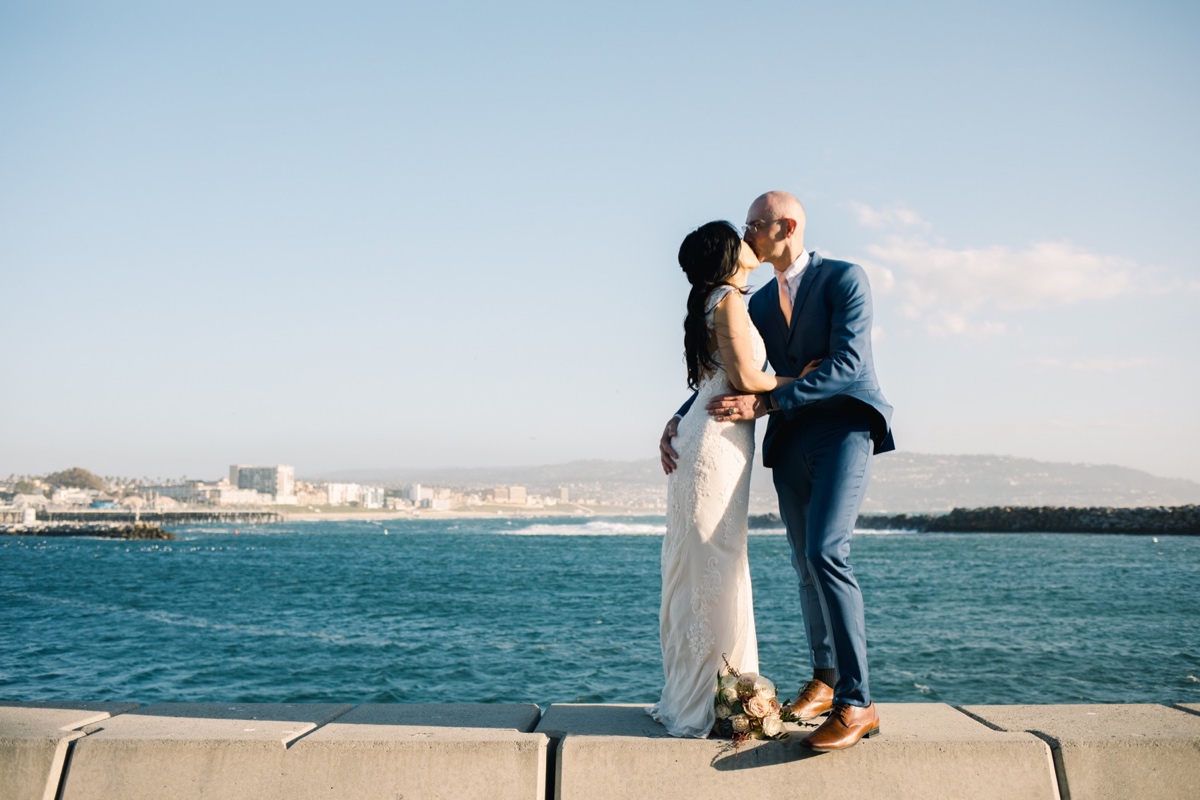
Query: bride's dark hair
{"points": [[709, 257]]}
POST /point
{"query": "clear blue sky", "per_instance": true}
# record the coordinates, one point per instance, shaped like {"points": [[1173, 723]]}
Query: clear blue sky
{"points": [[379, 234]]}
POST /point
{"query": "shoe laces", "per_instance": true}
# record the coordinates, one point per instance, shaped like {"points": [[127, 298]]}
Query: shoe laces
{"points": [[810, 689], [842, 712]]}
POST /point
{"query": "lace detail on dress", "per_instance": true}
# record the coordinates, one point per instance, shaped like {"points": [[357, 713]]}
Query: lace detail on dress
{"points": [[700, 632]]}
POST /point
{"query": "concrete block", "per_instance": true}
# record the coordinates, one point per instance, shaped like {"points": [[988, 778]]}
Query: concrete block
{"points": [[278, 752], [465, 751], [926, 751], [34, 738], [1149, 752], [1194, 708], [181, 751]]}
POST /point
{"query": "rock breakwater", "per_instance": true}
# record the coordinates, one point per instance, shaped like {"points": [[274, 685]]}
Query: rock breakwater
{"points": [[106, 530], [1163, 520]]}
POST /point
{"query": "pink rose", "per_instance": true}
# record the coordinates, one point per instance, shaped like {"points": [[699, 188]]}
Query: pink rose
{"points": [[758, 706]]}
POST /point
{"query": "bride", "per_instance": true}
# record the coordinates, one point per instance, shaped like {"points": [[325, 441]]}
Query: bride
{"points": [[707, 611]]}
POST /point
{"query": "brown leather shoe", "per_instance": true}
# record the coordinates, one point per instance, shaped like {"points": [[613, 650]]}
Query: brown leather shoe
{"points": [[815, 699], [844, 727]]}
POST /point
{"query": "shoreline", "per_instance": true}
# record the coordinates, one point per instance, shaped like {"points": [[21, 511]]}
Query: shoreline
{"points": [[429, 514], [1145, 521]]}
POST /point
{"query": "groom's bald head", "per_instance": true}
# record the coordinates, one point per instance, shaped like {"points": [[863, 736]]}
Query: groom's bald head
{"points": [[775, 228]]}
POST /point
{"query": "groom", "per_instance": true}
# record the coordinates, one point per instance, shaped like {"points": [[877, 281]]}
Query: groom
{"points": [[820, 437]]}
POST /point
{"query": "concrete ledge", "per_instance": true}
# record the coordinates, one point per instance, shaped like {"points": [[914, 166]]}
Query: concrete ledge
{"points": [[77, 751], [278, 751], [191, 750], [926, 751], [415, 751], [1112, 751], [34, 738]]}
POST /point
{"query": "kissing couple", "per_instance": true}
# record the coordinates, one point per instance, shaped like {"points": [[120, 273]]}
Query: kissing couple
{"points": [[812, 323]]}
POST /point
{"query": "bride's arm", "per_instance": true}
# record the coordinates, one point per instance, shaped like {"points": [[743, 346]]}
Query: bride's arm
{"points": [[731, 324]]}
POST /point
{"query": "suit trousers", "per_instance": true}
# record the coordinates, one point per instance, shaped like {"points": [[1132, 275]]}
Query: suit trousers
{"points": [[821, 477]]}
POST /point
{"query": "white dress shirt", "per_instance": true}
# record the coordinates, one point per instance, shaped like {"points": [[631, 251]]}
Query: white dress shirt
{"points": [[793, 273]]}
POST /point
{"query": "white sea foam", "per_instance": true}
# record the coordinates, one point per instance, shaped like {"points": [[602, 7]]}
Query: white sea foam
{"points": [[857, 532], [613, 528], [593, 528]]}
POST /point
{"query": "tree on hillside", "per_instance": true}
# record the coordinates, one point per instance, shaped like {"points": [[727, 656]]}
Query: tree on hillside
{"points": [[76, 478]]}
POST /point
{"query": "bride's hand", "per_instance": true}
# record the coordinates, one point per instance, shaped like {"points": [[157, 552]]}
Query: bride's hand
{"points": [[816, 362]]}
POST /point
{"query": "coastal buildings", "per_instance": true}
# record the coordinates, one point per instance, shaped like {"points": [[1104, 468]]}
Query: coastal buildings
{"points": [[263, 487], [278, 481]]}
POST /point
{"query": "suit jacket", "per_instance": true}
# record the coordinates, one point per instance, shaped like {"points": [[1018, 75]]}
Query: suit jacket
{"points": [[831, 320]]}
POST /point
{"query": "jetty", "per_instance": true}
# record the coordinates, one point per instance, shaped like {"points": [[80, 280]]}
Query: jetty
{"points": [[568, 751], [104, 530], [185, 517], [1154, 521]]}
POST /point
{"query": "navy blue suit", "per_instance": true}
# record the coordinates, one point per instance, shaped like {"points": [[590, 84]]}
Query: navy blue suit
{"points": [[819, 446]]}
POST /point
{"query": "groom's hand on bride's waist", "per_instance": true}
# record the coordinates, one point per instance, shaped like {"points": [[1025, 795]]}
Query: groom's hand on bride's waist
{"points": [[734, 407], [666, 452]]}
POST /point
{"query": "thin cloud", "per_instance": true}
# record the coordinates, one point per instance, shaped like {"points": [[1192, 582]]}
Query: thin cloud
{"points": [[960, 292], [1091, 424], [887, 217], [1091, 364], [1042, 275]]}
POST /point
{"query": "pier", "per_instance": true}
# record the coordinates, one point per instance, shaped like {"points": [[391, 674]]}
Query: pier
{"points": [[293, 751], [187, 517]]}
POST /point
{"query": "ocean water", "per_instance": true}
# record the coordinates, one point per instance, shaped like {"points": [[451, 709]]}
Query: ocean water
{"points": [[565, 610]]}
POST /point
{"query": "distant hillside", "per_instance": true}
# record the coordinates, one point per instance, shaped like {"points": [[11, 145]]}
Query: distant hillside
{"points": [[923, 482], [901, 482], [542, 478]]}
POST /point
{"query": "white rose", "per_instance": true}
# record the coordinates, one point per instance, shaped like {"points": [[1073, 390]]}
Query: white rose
{"points": [[746, 682], [772, 726], [727, 681], [741, 723], [764, 686], [729, 694], [724, 711], [758, 706]]}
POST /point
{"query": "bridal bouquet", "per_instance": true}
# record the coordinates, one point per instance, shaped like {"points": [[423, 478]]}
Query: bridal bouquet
{"points": [[747, 707]]}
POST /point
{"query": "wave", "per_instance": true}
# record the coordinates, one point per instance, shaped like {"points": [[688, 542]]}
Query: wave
{"points": [[191, 621], [593, 528], [611, 528], [781, 531]]}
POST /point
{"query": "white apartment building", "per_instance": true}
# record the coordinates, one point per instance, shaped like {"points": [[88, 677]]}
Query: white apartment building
{"points": [[278, 481], [371, 497], [343, 494], [416, 493]]}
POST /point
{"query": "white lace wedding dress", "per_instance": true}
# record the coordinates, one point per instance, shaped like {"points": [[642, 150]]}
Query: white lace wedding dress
{"points": [[707, 608]]}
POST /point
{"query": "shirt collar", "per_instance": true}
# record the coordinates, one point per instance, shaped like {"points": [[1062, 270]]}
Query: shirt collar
{"points": [[796, 267]]}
